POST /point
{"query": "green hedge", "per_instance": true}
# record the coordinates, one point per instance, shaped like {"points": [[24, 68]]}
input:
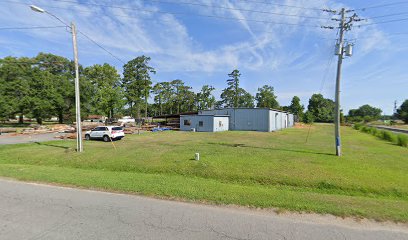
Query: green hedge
{"points": [[399, 139]]}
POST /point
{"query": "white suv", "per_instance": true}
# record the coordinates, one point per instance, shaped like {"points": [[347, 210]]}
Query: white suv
{"points": [[107, 133]]}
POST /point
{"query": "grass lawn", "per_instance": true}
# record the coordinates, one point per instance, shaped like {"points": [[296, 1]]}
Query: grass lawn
{"points": [[278, 170]]}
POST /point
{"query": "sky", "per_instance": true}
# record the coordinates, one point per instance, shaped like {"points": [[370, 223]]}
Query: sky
{"points": [[277, 43]]}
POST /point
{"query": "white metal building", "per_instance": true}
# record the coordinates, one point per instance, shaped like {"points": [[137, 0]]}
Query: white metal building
{"points": [[204, 123], [253, 119]]}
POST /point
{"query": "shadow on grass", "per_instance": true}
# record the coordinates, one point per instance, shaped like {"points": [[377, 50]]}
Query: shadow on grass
{"points": [[52, 145], [270, 148]]}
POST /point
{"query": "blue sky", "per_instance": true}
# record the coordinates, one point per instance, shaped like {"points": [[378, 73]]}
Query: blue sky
{"points": [[296, 57]]}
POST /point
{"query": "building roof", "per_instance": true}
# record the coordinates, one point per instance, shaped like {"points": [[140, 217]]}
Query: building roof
{"points": [[210, 115], [276, 110], [175, 115]]}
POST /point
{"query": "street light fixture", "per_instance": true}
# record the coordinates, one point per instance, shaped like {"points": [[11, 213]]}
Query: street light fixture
{"points": [[37, 9], [77, 97]]}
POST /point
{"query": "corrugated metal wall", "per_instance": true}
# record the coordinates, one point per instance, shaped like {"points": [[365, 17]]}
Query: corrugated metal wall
{"points": [[208, 123], [254, 119], [291, 120]]}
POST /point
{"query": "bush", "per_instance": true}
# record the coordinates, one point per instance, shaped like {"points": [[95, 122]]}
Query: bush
{"points": [[357, 126], [402, 140], [365, 129], [308, 118], [374, 131], [399, 139], [387, 136]]}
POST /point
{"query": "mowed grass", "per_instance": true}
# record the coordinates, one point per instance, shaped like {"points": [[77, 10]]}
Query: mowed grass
{"points": [[256, 169]]}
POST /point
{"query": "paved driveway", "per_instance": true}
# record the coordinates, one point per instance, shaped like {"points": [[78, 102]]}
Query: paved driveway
{"points": [[32, 211], [24, 138]]}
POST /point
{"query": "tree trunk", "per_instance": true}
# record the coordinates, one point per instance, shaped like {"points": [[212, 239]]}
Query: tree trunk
{"points": [[138, 111], [146, 106], [21, 119], [39, 120], [161, 107], [60, 118]]}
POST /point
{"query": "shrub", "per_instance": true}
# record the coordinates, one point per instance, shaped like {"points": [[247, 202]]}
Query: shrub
{"points": [[374, 131], [357, 126], [387, 136], [402, 140], [308, 118], [365, 129]]}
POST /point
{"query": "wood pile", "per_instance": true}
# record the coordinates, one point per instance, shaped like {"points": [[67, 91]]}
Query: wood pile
{"points": [[174, 123], [8, 130]]}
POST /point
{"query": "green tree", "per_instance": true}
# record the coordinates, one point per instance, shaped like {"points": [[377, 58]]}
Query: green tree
{"points": [[137, 82], [402, 111], [42, 91], [159, 91], [365, 112], [296, 108], [16, 75], [177, 93], [266, 97], [107, 91], [321, 108], [245, 99], [233, 86], [63, 75], [205, 99], [308, 117]]}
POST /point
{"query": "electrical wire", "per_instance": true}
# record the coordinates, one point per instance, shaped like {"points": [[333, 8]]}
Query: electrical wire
{"points": [[325, 74], [178, 13], [280, 5], [383, 22], [382, 5], [389, 15], [194, 4], [101, 47], [32, 27]]}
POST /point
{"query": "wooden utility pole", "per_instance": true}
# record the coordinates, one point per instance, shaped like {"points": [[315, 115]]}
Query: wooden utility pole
{"points": [[342, 49], [338, 78]]}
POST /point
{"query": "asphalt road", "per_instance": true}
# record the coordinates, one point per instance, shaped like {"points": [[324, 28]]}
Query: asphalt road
{"points": [[32, 211], [25, 138]]}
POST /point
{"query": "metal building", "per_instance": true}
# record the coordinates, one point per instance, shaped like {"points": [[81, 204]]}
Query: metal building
{"points": [[253, 119], [204, 123]]}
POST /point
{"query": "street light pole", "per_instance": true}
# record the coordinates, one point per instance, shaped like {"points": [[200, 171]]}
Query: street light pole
{"points": [[77, 95]]}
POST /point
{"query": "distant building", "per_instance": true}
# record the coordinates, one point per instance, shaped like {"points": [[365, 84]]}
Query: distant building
{"points": [[239, 119], [204, 123], [95, 118]]}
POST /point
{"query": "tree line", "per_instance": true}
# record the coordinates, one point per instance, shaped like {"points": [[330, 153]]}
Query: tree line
{"points": [[43, 86]]}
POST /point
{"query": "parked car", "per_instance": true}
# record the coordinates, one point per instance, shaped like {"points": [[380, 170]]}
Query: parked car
{"points": [[106, 133]]}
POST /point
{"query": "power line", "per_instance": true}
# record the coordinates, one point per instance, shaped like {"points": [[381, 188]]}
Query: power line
{"points": [[389, 15], [178, 13], [383, 5], [33, 27], [389, 21], [175, 13], [101, 47], [280, 5], [194, 4]]}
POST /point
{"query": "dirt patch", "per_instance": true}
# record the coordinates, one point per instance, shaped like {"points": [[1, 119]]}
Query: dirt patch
{"points": [[303, 126]]}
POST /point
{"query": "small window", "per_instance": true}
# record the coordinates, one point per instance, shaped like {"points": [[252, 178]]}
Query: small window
{"points": [[117, 128], [187, 122], [220, 123], [200, 123]]}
